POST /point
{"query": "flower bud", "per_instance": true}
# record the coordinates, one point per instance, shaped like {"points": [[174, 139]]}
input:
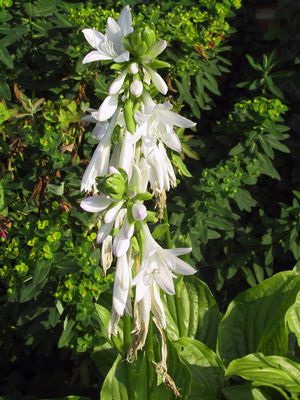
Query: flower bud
{"points": [[128, 116], [114, 185], [136, 88], [134, 68], [141, 40], [139, 211], [148, 36]]}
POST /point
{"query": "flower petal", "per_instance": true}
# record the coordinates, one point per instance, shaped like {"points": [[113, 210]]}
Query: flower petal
{"points": [[157, 80], [179, 251], [108, 107], [179, 266], [121, 241], [125, 20], [171, 140], [121, 285], [95, 56], [103, 232], [171, 118], [123, 57], [157, 48], [117, 84], [95, 203], [100, 130], [93, 37], [98, 165], [111, 214]]}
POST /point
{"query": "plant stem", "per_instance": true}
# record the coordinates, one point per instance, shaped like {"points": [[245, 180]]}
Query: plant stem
{"points": [[150, 359], [168, 233], [127, 340], [177, 299]]}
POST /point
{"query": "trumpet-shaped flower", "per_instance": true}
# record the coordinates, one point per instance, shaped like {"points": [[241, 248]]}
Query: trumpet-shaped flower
{"points": [[161, 172], [99, 163], [157, 121], [110, 46], [159, 264]]}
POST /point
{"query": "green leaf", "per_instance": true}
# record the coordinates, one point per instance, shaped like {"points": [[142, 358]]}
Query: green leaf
{"points": [[6, 58], [243, 392], [238, 149], [184, 90], [267, 166], [117, 386], [45, 8], [244, 199], [255, 65], [103, 317], [196, 309], [255, 319], [211, 83], [160, 231], [292, 318], [277, 372], [180, 165], [39, 280], [5, 90], [56, 189], [205, 367], [68, 333], [266, 146]]}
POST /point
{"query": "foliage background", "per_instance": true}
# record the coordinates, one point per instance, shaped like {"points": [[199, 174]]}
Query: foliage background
{"points": [[238, 198]]}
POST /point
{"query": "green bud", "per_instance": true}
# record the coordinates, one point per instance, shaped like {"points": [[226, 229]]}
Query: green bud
{"points": [[148, 36], [141, 40], [128, 116], [114, 185]]}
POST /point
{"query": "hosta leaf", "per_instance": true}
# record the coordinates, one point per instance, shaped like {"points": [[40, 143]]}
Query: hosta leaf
{"points": [[205, 367], [243, 392], [293, 318], [126, 381], [277, 372], [255, 319], [193, 312]]}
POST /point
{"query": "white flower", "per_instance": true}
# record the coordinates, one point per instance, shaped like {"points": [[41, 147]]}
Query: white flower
{"points": [[121, 293], [161, 172], [122, 284], [122, 239], [159, 264], [151, 301], [136, 88], [139, 211], [134, 68], [157, 80], [108, 107], [110, 46], [117, 84], [154, 51], [96, 203], [157, 121], [99, 163]]}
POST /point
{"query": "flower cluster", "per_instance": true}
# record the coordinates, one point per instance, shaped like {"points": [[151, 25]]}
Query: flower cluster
{"points": [[129, 165]]}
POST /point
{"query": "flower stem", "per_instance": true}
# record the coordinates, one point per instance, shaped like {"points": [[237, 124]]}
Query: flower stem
{"points": [[150, 359], [127, 340], [168, 233], [179, 282]]}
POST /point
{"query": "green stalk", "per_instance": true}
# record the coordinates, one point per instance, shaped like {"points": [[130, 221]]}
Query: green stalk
{"points": [[178, 303], [150, 358], [127, 340]]}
